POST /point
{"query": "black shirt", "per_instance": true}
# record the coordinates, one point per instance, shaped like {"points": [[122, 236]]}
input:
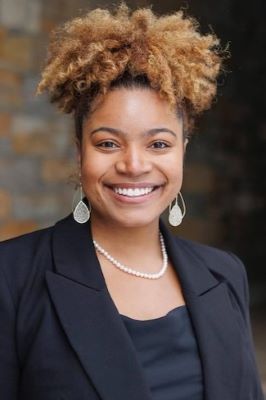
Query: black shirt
{"points": [[167, 349]]}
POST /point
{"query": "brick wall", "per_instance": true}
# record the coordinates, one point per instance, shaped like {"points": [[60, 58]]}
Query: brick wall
{"points": [[37, 152], [37, 155]]}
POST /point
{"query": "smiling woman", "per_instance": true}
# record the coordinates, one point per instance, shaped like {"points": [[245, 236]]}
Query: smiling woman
{"points": [[131, 162], [108, 304]]}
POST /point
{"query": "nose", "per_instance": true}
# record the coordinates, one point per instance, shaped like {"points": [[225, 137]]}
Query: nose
{"points": [[133, 162]]}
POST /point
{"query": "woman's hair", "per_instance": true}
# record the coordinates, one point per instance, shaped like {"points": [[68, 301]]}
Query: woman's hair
{"points": [[102, 50]]}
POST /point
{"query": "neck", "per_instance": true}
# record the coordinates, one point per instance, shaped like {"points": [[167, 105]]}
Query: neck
{"points": [[128, 243]]}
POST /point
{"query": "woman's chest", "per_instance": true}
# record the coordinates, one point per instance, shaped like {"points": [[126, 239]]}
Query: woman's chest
{"points": [[141, 298]]}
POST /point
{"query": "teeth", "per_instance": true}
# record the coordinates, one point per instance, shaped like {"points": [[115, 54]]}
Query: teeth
{"points": [[133, 192]]}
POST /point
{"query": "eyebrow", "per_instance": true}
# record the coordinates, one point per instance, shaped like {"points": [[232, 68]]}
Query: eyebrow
{"points": [[118, 132]]}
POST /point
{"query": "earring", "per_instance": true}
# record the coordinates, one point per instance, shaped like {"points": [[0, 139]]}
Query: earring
{"points": [[81, 213], [175, 214]]}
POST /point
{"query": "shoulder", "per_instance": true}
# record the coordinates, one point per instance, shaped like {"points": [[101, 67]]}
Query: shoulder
{"points": [[24, 256], [215, 258], [219, 261], [25, 246], [25, 240], [224, 265]]}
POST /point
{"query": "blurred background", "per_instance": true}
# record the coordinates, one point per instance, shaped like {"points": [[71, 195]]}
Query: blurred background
{"points": [[225, 185]]}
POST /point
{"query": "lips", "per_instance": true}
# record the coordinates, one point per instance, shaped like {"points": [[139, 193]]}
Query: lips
{"points": [[129, 190], [136, 192]]}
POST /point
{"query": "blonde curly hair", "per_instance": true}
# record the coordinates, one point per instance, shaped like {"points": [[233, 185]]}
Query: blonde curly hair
{"points": [[90, 55]]}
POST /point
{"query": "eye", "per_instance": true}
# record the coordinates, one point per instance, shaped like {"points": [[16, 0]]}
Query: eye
{"points": [[107, 144], [159, 145]]}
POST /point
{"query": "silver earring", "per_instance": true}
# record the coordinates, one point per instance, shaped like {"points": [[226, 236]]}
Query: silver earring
{"points": [[175, 214], [81, 213]]}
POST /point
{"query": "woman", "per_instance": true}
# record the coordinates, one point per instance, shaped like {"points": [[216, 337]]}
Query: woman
{"points": [[107, 304]]}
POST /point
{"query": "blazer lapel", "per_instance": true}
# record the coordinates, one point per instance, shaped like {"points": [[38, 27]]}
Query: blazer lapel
{"points": [[214, 320], [89, 316]]}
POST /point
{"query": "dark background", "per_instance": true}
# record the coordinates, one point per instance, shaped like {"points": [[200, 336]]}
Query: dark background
{"points": [[231, 137]]}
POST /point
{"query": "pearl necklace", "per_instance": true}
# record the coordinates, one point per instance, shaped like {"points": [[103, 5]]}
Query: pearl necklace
{"points": [[131, 271]]}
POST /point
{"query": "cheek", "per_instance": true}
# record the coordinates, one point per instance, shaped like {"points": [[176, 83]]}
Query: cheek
{"points": [[175, 177], [89, 180], [93, 168], [174, 166], [88, 163], [87, 167]]}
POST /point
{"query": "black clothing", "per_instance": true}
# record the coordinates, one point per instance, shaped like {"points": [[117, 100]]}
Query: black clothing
{"points": [[167, 350], [62, 338]]}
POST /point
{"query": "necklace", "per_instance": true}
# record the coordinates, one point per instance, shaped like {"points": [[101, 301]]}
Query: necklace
{"points": [[131, 271]]}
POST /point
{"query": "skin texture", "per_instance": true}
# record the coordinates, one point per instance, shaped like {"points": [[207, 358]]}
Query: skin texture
{"points": [[132, 156], [128, 228]]}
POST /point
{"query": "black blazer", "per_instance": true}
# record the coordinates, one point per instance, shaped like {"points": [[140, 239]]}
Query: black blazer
{"points": [[61, 336]]}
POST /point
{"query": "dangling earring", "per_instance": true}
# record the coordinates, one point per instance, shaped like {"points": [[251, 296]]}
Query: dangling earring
{"points": [[81, 213], [175, 214]]}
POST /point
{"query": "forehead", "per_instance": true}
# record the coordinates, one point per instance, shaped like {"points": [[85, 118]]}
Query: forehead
{"points": [[133, 107]]}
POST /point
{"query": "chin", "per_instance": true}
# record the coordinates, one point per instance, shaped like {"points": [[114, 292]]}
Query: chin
{"points": [[135, 221]]}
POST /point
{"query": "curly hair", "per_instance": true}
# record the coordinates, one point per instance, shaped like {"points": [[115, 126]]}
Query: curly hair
{"points": [[90, 55]]}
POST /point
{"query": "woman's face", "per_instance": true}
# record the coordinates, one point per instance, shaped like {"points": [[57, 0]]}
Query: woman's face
{"points": [[131, 157]]}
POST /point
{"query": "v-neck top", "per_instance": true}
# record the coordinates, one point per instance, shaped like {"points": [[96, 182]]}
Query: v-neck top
{"points": [[167, 350]]}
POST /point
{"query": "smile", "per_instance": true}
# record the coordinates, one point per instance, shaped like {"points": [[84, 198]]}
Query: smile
{"points": [[133, 192]]}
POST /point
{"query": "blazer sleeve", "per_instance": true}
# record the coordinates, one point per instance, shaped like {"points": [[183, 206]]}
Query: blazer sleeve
{"points": [[9, 368], [245, 296]]}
